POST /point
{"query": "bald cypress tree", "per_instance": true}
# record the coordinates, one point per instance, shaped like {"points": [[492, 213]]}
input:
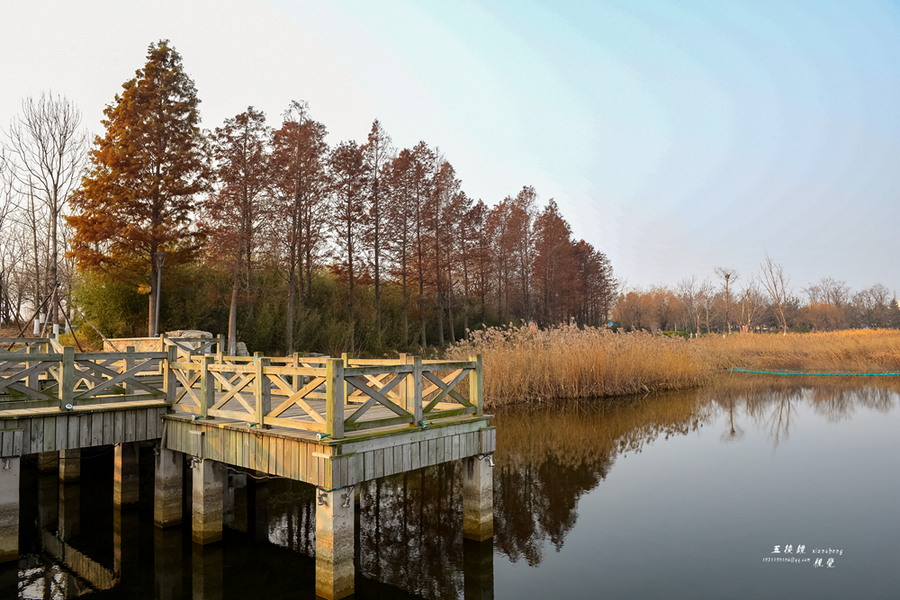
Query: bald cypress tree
{"points": [[144, 176]]}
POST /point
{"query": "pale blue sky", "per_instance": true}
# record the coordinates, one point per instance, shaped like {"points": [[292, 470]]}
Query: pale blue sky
{"points": [[675, 136]]}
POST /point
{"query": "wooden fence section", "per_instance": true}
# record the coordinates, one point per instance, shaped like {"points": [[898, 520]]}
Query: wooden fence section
{"points": [[328, 396], [65, 380]]}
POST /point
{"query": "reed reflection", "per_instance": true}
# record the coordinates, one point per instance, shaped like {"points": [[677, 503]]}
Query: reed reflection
{"points": [[771, 403]]}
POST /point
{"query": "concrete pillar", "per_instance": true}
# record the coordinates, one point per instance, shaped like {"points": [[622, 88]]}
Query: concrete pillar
{"points": [[334, 543], [69, 511], [9, 509], [48, 500], [208, 479], [126, 526], [48, 462], [126, 474], [478, 569], [167, 563], [206, 572], [478, 498], [70, 465], [167, 489]]}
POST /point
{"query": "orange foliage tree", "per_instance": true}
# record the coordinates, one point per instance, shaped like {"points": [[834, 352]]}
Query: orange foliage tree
{"points": [[145, 172]]}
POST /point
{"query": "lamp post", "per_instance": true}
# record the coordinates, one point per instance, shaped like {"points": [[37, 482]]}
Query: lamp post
{"points": [[159, 258]]}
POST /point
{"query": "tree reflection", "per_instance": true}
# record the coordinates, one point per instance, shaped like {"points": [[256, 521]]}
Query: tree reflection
{"points": [[548, 457]]}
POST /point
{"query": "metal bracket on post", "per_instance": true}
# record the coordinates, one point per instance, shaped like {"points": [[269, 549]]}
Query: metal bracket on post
{"points": [[347, 496], [490, 458], [321, 497]]}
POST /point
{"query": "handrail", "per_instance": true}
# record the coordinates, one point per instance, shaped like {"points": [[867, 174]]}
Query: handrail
{"points": [[330, 396]]}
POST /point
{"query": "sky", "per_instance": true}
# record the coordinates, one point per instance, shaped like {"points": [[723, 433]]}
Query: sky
{"points": [[676, 136]]}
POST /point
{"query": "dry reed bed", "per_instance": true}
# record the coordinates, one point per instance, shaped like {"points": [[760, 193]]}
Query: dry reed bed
{"points": [[568, 362], [851, 351]]}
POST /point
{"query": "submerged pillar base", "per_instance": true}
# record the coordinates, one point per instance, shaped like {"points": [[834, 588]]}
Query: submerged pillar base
{"points": [[206, 515], [126, 473], [167, 488], [69, 465], [334, 543], [478, 498], [9, 509]]}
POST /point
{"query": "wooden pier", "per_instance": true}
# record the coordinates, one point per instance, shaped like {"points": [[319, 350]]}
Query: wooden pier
{"points": [[328, 422]]}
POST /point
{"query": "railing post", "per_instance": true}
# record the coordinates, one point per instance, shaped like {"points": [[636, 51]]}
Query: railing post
{"points": [[207, 390], [347, 357], [334, 398], [262, 389], [219, 360], [67, 378], [416, 391], [295, 379], [169, 378], [476, 388], [129, 363], [163, 339], [33, 381]]}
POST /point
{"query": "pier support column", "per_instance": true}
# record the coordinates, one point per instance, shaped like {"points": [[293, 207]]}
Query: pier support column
{"points": [[48, 500], [167, 489], [70, 465], [126, 524], [126, 473], [9, 509], [207, 482], [478, 498], [48, 462], [334, 543], [69, 511]]}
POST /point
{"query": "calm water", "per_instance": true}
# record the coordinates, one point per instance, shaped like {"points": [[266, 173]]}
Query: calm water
{"points": [[679, 496]]}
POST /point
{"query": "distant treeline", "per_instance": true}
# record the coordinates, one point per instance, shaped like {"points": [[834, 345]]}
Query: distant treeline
{"points": [[708, 306]]}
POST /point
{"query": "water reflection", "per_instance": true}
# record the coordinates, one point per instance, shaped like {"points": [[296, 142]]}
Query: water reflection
{"points": [[409, 533]]}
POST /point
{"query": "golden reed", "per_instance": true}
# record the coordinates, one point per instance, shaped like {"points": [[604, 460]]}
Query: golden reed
{"points": [[522, 365], [568, 362], [849, 351]]}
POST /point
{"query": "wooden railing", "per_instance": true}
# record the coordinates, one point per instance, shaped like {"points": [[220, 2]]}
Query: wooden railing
{"points": [[329, 396], [43, 374]]}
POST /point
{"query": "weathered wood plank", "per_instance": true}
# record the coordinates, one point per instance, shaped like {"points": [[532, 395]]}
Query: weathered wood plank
{"points": [[272, 467], [414, 458], [62, 432], [84, 429], [106, 429], [130, 426], [378, 460], [97, 429], [279, 456], [118, 427], [302, 449], [140, 425]]}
